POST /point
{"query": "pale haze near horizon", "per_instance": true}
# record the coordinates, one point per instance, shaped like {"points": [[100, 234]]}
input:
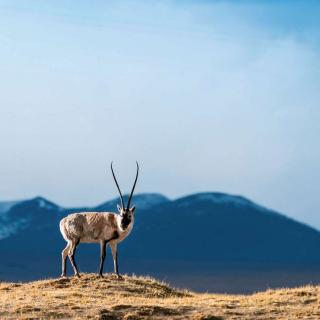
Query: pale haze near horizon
{"points": [[207, 96]]}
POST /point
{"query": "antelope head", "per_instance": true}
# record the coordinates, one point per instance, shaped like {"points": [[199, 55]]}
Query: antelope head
{"points": [[126, 212]]}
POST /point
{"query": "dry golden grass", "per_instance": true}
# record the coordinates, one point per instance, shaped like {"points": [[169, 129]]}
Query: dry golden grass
{"points": [[91, 297]]}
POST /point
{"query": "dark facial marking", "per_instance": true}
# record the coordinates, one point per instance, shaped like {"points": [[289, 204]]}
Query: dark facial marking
{"points": [[125, 221]]}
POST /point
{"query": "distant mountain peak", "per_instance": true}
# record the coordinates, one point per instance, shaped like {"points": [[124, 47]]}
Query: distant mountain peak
{"points": [[221, 198], [147, 200], [44, 203], [142, 201]]}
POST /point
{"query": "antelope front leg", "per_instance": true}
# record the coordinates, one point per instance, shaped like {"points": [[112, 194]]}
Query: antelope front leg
{"points": [[103, 245], [114, 251]]}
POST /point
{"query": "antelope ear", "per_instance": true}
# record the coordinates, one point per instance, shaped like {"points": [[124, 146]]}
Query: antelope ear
{"points": [[132, 209], [119, 208]]}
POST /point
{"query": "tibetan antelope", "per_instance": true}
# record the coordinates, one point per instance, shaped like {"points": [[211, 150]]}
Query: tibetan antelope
{"points": [[98, 227]]}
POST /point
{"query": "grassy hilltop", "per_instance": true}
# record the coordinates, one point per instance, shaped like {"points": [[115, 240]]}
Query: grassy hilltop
{"points": [[91, 297]]}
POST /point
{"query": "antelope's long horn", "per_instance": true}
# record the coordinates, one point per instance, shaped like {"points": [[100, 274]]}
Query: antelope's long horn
{"points": [[115, 180], [134, 185]]}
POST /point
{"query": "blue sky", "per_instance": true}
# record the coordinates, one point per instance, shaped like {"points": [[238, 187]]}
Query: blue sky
{"points": [[207, 95]]}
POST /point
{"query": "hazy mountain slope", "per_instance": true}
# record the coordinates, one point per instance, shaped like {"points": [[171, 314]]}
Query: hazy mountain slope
{"points": [[7, 226], [6, 206]]}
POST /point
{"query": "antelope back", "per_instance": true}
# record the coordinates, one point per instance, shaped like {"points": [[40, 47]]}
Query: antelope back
{"points": [[89, 226]]}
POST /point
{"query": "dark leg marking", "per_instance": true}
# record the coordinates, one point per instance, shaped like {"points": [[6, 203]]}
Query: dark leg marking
{"points": [[103, 246], [64, 267]]}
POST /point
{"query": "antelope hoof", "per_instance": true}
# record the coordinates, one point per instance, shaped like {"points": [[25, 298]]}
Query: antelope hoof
{"points": [[101, 275], [63, 276], [77, 275], [119, 277]]}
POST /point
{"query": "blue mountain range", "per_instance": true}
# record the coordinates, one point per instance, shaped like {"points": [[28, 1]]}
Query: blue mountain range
{"points": [[197, 233]]}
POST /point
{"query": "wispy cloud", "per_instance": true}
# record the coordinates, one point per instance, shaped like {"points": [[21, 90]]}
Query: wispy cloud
{"points": [[208, 96]]}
